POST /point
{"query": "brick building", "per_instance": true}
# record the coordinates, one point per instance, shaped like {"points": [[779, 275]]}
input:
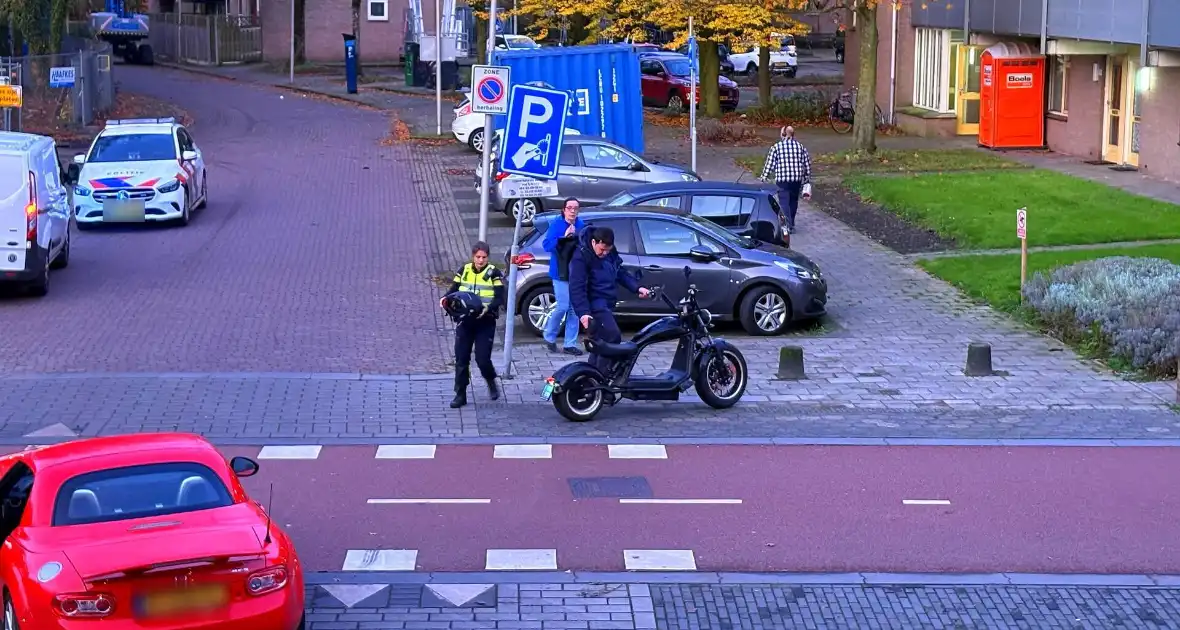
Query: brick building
{"points": [[382, 32], [1113, 71]]}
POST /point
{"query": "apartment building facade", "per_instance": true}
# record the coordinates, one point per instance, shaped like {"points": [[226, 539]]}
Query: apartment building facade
{"points": [[1113, 71]]}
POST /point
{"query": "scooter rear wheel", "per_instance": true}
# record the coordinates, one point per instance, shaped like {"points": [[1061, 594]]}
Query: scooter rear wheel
{"points": [[575, 403]]}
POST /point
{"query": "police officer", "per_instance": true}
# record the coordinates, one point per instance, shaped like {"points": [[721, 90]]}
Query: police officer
{"points": [[483, 280]]}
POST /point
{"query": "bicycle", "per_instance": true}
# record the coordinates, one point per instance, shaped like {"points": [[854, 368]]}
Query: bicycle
{"points": [[842, 110]]}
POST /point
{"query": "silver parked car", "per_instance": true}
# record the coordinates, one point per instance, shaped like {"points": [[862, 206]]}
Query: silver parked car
{"points": [[591, 169]]}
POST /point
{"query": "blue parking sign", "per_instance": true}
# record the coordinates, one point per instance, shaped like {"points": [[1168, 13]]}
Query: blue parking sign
{"points": [[531, 143]]}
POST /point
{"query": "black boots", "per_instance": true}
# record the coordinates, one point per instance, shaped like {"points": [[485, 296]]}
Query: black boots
{"points": [[462, 379]]}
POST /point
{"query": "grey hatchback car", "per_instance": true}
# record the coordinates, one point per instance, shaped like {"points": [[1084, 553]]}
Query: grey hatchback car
{"points": [[591, 169], [744, 209], [762, 286]]}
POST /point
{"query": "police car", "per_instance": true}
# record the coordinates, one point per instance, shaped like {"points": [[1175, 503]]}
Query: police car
{"points": [[139, 170]]}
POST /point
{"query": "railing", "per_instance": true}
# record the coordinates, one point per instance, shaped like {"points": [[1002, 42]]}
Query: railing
{"points": [[211, 40], [52, 110]]}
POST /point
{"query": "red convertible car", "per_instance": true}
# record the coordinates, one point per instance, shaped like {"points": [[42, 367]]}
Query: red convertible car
{"points": [[141, 531]]}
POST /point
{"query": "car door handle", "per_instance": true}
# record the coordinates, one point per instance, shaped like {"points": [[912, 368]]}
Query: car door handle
{"points": [[653, 268], [591, 179]]}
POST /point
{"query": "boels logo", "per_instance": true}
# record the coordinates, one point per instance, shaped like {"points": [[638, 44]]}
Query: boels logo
{"points": [[1020, 80]]}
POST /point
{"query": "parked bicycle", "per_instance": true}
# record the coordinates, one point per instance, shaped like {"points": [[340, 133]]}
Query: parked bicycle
{"points": [[842, 110]]}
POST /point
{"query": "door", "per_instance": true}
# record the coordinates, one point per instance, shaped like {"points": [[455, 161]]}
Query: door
{"points": [[664, 255], [197, 166], [1114, 124], [57, 199], [967, 99], [606, 172], [624, 230], [14, 196], [653, 85]]}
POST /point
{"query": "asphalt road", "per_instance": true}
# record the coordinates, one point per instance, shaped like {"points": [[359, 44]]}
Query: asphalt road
{"points": [[727, 508]]}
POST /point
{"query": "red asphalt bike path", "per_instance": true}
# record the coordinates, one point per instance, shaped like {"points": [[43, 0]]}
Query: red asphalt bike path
{"points": [[823, 509]]}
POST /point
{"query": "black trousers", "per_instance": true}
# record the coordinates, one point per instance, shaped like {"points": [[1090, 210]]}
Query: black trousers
{"points": [[788, 199], [478, 334], [604, 328]]}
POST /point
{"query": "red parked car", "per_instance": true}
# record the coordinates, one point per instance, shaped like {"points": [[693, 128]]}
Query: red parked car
{"points": [[141, 531], [665, 78]]}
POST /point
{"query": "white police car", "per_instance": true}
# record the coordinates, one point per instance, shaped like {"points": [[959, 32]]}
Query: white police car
{"points": [[140, 170]]}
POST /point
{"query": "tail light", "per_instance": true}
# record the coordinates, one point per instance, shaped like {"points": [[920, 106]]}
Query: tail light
{"points": [[465, 109], [524, 261], [501, 176], [84, 605], [267, 581], [31, 209]]}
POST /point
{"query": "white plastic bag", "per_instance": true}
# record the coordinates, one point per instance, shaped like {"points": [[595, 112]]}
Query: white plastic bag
{"points": [[806, 191]]}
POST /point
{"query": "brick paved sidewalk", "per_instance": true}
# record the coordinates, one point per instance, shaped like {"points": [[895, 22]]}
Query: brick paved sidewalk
{"points": [[689, 606]]}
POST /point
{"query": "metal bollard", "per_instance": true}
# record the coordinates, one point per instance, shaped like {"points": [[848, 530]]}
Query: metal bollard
{"points": [[979, 360], [790, 364]]}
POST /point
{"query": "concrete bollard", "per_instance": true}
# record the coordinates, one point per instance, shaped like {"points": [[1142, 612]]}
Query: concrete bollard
{"points": [[790, 364], [979, 360]]}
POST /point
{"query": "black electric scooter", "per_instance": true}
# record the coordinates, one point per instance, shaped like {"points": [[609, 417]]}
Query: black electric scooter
{"points": [[718, 370]]}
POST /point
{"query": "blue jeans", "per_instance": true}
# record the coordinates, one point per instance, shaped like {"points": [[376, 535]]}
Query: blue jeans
{"points": [[564, 310]]}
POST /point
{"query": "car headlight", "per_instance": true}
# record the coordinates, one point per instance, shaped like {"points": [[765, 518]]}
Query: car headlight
{"points": [[169, 186], [799, 272], [81, 191]]}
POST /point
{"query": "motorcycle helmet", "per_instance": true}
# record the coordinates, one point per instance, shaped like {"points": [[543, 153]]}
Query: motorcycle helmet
{"points": [[462, 306]]}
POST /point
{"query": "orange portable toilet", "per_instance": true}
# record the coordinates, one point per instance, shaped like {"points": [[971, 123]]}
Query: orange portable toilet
{"points": [[1012, 97]]}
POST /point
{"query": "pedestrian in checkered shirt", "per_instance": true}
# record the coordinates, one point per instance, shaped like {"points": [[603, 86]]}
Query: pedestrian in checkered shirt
{"points": [[790, 165]]}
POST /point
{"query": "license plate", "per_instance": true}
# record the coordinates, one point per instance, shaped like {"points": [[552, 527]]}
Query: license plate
{"points": [[123, 211], [547, 391], [173, 603]]}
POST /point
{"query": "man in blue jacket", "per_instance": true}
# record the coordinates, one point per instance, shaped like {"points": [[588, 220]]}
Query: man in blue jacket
{"points": [[595, 271], [561, 240]]}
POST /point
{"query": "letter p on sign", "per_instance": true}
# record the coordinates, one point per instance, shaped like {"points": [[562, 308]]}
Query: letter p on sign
{"points": [[529, 117]]}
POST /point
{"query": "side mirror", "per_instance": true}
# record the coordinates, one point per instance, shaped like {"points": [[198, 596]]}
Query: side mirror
{"points": [[636, 166], [188, 156], [701, 254], [244, 466], [80, 159]]}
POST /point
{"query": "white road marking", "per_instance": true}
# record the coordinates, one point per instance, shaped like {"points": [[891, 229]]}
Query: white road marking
{"points": [[421, 501], [659, 560], [406, 451], [290, 452], [925, 502], [352, 594], [381, 560], [637, 451], [521, 560], [524, 451], [683, 501]]}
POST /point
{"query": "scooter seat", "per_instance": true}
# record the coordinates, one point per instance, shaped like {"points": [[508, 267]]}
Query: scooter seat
{"points": [[620, 350]]}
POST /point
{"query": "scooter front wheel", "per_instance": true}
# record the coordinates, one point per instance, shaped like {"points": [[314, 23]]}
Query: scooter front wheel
{"points": [[580, 400], [722, 377]]}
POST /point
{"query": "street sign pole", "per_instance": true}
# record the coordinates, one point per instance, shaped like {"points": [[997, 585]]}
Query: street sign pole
{"points": [[485, 189], [438, 60], [692, 99], [1022, 234], [291, 75]]}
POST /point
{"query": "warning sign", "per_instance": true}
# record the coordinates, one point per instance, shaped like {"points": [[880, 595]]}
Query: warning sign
{"points": [[1020, 80], [10, 96]]}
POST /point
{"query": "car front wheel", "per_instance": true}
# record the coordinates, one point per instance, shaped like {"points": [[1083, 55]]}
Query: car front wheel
{"points": [[10, 622], [538, 306], [765, 311], [476, 141], [526, 210]]}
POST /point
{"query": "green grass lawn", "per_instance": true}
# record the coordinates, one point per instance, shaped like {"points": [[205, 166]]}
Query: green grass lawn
{"points": [[996, 279], [890, 160], [978, 210]]}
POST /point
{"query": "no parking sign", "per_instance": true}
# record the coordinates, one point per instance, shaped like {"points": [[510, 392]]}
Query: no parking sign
{"points": [[489, 89]]}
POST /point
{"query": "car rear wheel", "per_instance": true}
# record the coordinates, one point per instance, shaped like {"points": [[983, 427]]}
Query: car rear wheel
{"points": [[526, 209], [538, 306], [765, 312], [10, 622], [751, 68], [675, 103], [476, 140]]}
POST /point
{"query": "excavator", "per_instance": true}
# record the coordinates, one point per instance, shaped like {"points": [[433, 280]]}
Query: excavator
{"points": [[125, 30]]}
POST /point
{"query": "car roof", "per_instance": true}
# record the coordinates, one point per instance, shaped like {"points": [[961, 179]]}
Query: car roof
{"points": [[617, 211], [696, 188], [17, 142], [74, 451], [664, 54], [145, 128]]}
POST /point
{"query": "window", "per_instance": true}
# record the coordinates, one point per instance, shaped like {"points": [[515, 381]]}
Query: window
{"points": [[602, 156], [678, 67], [378, 10], [569, 155], [650, 67], [726, 211], [13, 175], [624, 241], [139, 147], [1058, 84], [145, 491], [185, 140], [667, 238], [661, 202], [932, 69]]}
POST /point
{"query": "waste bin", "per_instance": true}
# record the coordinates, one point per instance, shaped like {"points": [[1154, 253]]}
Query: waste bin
{"points": [[412, 54], [350, 65], [450, 75]]}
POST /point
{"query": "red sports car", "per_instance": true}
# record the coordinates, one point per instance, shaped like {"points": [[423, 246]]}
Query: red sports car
{"points": [[141, 531]]}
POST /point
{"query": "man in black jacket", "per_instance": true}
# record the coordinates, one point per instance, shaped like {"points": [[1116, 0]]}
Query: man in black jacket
{"points": [[595, 272]]}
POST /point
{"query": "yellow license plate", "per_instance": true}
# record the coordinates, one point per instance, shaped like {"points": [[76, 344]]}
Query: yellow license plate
{"points": [[182, 601]]}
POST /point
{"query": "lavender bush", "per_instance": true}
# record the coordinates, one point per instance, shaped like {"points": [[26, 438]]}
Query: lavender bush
{"points": [[1132, 306]]}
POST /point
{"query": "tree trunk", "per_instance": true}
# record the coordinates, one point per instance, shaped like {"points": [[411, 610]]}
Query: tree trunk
{"points": [[300, 32], [864, 127], [59, 14], [764, 97], [356, 32], [708, 83], [481, 41]]}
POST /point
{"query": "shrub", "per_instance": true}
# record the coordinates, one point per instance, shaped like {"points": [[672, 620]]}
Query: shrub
{"points": [[717, 132], [1126, 307], [796, 109]]}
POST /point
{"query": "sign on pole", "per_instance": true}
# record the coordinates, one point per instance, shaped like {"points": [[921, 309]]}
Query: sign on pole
{"points": [[527, 188], [1022, 234], [62, 77], [489, 89], [535, 131], [1022, 223], [11, 96]]}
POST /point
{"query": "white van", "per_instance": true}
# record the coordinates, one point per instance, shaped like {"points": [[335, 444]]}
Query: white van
{"points": [[35, 217]]}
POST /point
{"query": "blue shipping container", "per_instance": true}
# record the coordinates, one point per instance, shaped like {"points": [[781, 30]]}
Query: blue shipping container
{"points": [[603, 81]]}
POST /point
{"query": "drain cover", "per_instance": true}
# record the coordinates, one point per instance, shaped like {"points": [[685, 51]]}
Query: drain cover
{"points": [[610, 488]]}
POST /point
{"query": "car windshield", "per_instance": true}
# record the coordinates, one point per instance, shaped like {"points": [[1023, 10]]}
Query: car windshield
{"points": [[118, 494], [520, 41], [137, 147], [12, 175], [721, 234], [621, 199], [678, 67]]}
